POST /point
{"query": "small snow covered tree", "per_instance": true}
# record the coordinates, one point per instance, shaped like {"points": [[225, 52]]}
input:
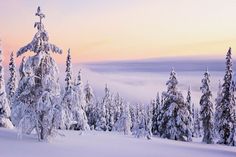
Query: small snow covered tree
{"points": [[90, 108], [143, 122], [127, 119], [108, 103], [174, 114], [190, 115], [79, 111], [68, 105], [12, 82], [197, 125], [68, 78], [5, 110], [118, 106], [36, 104], [218, 101], [226, 123], [69, 98], [206, 112], [124, 121], [155, 112], [101, 124], [133, 109], [193, 112]]}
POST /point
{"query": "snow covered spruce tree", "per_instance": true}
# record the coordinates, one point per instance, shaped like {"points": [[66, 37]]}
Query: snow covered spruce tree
{"points": [[206, 111], [225, 110], [5, 110], [90, 108], [69, 98], [12, 82], [107, 105], [124, 122], [101, 123], [189, 107], [36, 104], [79, 114], [218, 101], [118, 103], [197, 129], [174, 122], [68, 78], [143, 122], [155, 112]]}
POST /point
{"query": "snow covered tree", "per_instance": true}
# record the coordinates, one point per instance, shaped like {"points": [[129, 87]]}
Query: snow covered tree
{"points": [[90, 105], [36, 104], [127, 119], [124, 121], [206, 111], [108, 103], [133, 112], [218, 101], [225, 110], [190, 116], [5, 110], [101, 124], [68, 107], [197, 125], [143, 122], [156, 111], [68, 78], [79, 111], [12, 82], [174, 123], [118, 106], [193, 112], [69, 99]]}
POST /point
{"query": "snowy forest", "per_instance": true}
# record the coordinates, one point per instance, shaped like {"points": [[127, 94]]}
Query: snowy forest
{"points": [[36, 102]]}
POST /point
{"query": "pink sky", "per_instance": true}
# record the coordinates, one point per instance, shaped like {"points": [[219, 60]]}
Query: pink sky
{"points": [[98, 30]]}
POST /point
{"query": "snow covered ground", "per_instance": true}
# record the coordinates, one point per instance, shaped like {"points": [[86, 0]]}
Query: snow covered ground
{"points": [[105, 144]]}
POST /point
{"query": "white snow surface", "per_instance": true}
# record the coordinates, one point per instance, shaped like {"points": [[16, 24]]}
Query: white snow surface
{"points": [[105, 144]]}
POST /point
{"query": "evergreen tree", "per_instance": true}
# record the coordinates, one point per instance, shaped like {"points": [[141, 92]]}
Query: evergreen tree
{"points": [[133, 111], [190, 115], [174, 114], [218, 101], [193, 112], [118, 107], [124, 121], [226, 124], [36, 104], [143, 122], [12, 82], [79, 113], [127, 119], [197, 124], [206, 111], [5, 110], [101, 124], [108, 103], [155, 113], [69, 98], [68, 78], [90, 105]]}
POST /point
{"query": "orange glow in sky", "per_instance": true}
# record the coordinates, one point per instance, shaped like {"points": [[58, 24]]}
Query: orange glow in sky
{"points": [[98, 30]]}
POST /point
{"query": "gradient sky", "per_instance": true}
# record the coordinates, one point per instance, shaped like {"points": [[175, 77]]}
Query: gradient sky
{"points": [[98, 30]]}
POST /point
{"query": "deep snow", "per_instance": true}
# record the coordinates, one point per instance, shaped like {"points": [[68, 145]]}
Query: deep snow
{"points": [[105, 144]]}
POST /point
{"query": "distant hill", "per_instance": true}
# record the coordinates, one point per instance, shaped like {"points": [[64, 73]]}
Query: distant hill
{"points": [[159, 65]]}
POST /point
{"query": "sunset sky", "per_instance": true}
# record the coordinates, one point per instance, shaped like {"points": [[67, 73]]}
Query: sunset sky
{"points": [[98, 30]]}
